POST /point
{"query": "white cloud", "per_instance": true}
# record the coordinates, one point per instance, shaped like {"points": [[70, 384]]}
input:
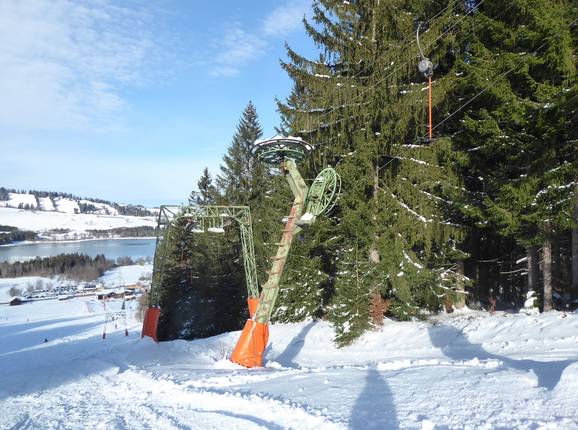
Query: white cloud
{"points": [[63, 63], [237, 47], [286, 18]]}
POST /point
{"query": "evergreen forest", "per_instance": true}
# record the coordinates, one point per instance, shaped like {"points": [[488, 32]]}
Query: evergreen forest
{"points": [[483, 214]]}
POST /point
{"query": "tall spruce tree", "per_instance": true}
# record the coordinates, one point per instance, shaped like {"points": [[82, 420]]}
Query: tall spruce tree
{"points": [[361, 103], [240, 171], [515, 67]]}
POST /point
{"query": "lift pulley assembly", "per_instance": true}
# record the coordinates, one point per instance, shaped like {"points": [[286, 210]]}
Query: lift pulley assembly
{"points": [[308, 203], [425, 66]]}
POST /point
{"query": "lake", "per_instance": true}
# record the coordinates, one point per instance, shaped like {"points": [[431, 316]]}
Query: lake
{"points": [[111, 248]]}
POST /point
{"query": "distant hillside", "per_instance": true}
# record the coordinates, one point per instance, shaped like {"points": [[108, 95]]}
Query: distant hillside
{"points": [[65, 202]]}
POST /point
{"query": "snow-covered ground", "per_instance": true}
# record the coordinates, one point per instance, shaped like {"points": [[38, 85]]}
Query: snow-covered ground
{"points": [[66, 205], [43, 222], [459, 371], [125, 275], [17, 199], [46, 204]]}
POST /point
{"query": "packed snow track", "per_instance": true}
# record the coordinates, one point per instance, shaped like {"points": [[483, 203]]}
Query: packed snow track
{"points": [[466, 370]]}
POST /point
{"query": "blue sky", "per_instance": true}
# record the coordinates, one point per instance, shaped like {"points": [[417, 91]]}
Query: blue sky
{"points": [[129, 100]]}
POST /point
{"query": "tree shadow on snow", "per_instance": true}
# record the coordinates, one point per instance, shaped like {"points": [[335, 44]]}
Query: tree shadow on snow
{"points": [[15, 342], [7, 330], [256, 420], [455, 345], [374, 408], [52, 364], [294, 347]]}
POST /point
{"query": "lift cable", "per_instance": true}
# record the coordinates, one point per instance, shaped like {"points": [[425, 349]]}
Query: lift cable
{"points": [[374, 85], [501, 75]]}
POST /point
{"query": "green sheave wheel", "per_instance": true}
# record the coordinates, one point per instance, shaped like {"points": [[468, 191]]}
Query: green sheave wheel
{"points": [[323, 192]]}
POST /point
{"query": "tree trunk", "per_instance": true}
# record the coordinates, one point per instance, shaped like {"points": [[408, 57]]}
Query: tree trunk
{"points": [[575, 247], [547, 269], [460, 301], [377, 308], [373, 39], [373, 251], [532, 268]]}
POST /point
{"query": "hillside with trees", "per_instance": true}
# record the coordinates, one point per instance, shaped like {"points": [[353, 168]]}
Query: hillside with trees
{"points": [[78, 267]]}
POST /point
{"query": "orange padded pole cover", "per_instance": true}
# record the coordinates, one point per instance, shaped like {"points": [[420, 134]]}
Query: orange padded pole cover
{"points": [[429, 108], [149, 325], [249, 349], [253, 303]]}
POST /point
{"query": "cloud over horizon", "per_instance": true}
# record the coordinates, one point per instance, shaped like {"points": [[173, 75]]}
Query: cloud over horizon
{"points": [[64, 63]]}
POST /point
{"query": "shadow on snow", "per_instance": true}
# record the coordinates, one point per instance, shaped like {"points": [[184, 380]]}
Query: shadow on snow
{"points": [[36, 366], [35, 336], [374, 408], [294, 347], [455, 345]]}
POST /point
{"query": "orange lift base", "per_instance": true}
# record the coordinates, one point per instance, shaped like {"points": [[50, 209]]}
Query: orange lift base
{"points": [[149, 325], [249, 349], [253, 303]]}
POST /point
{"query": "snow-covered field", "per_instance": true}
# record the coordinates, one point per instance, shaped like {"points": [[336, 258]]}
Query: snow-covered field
{"points": [[125, 275], [465, 370], [77, 224], [17, 199]]}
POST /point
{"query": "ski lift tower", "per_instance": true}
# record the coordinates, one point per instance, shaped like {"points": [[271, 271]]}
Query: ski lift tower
{"points": [[308, 203]]}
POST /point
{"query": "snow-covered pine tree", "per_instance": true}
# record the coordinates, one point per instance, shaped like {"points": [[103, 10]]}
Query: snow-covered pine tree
{"points": [[239, 168], [515, 67], [306, 285], [202, 287], [362, 104], [207, 192]]}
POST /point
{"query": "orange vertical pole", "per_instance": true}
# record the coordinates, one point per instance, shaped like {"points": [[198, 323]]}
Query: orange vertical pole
{"points": [[150, 323], [430, 116]]}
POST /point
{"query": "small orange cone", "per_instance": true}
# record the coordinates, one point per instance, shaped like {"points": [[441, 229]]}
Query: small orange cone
{"points": [[253, 303], [249, 349], [149, 325]]}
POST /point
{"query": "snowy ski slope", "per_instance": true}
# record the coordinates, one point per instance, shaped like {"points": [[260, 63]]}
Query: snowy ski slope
{"points": [[460, 371]]}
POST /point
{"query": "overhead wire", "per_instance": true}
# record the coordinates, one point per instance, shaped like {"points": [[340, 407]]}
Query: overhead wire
{"points": [[409, 38], [501, 75], [381, 80], [432, 46]]}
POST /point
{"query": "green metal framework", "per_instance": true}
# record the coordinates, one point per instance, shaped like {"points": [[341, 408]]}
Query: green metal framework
{"points": [[323, 192], [320, 198], [271, 287], [203, 219], [275, 151]]}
